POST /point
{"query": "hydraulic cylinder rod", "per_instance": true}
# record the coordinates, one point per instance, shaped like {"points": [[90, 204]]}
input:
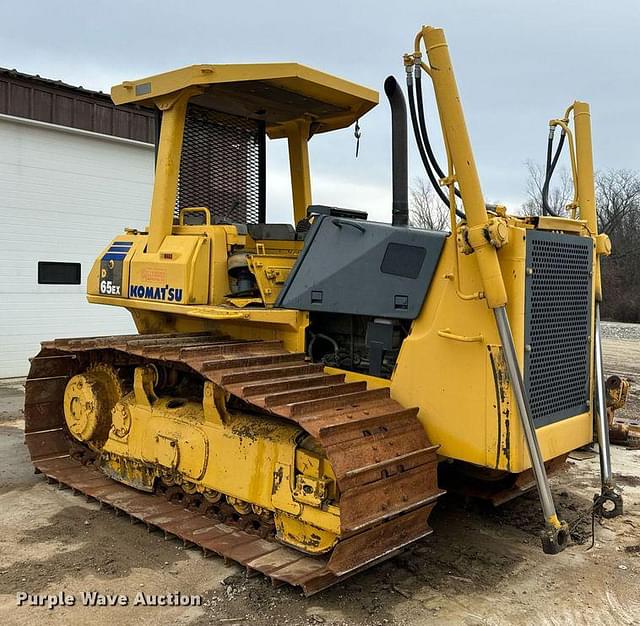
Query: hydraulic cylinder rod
{"points": [[609, 499], [556, 534], [601, 404]]}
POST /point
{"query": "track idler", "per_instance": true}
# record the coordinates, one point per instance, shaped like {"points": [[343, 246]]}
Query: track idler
{"points": [[89, 399]]}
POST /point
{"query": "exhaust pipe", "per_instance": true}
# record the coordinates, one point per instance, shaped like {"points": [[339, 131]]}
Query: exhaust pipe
{"points": [[399, 167]]}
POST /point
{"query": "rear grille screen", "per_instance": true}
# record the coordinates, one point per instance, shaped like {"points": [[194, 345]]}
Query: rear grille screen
{"points": [[222, 166], [557, 325]]}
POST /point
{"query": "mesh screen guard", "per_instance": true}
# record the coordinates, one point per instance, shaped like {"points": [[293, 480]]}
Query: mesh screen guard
{"points": [[222, 166], [557, 325]]}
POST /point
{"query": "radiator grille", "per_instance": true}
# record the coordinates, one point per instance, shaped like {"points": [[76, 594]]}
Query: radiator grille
{"points": [[558, 323], [222, 166]]}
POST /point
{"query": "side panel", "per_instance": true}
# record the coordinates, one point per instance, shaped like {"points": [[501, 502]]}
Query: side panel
{"points": [[363, 268], [444, 365], [178, 272], [451, 366]]}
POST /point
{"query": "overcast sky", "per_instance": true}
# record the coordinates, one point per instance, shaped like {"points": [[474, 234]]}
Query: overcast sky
{"points": [[517, 64]]}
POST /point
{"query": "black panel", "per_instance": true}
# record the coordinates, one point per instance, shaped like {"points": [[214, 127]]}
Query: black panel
{"points": [[111, 268], [403, 260], [58, 273], [558, 325], [363, 268]]}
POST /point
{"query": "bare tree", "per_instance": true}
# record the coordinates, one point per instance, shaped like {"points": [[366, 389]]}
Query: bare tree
{"points": [[560, 194], [618, 205], [618, 200], [618, 208], [426, 209]]}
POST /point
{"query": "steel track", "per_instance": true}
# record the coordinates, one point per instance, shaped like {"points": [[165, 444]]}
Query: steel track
{"points": [[384, 465]]}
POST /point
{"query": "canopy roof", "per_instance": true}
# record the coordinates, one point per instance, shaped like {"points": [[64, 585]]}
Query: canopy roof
{"points": [[274, 92]]}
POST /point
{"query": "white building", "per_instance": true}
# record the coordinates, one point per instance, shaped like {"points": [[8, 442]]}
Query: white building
{"points": [[74, 171]]}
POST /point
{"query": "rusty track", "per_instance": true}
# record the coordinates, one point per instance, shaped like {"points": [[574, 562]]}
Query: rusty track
{"points": [[384, 464]]}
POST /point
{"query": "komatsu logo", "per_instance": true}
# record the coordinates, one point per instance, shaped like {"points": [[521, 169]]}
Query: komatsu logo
{"points": [[166, 293]]}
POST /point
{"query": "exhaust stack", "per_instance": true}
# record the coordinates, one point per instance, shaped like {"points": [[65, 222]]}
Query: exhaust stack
{"points": [[399, 167]]}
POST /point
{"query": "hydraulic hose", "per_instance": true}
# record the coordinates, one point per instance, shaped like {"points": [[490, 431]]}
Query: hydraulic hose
{"points": [[421, 149], [424, 133], [546, 210], [551, 166]]}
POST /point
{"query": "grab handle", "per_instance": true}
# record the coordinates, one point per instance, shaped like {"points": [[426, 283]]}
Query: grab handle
{"points": [[341, 223]]}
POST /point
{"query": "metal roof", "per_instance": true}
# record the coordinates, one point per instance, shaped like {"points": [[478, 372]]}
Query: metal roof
{"points": [[33, 97], [274, 92]]}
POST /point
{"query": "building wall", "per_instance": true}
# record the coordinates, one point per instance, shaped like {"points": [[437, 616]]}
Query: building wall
{"points": [[64, 194], [52, 101]]}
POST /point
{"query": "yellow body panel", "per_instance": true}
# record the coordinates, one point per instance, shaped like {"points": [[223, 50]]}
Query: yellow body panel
{"points": [[271, 272], [247, 323], [184, 287], [175, 439], [451, 367], [177, 272]]}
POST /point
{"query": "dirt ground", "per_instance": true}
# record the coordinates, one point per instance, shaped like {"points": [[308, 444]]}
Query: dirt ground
{"points": [[481, 565]]}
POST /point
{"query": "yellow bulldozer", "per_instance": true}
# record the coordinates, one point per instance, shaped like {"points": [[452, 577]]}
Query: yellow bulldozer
{"points": [[299, 395]]}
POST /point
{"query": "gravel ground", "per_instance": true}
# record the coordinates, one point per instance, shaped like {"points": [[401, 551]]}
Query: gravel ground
{"points": [[619, 330], [621, 348], [481, 565]]}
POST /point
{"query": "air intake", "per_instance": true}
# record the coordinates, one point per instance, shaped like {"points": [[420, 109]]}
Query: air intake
{"points": [[558, 325]]}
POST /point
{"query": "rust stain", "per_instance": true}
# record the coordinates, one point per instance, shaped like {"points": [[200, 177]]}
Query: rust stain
{"points": [[277, 479], [502, 405], [507, 441]]}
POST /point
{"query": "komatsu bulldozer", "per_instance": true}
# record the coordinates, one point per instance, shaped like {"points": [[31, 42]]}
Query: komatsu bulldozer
{"points": [[293, 388]]}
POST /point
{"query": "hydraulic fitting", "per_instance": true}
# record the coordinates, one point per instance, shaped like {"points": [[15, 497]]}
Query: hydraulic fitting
{"points": [[497, 232]]}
